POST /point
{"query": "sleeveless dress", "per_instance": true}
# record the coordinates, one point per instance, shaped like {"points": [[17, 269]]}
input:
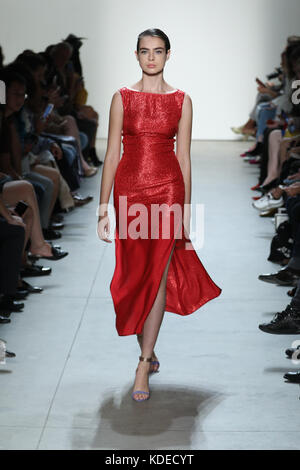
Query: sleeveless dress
{"points": [[149, 174]]}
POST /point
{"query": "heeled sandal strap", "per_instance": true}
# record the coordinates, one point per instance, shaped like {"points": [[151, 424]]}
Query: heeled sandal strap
{"points": [[145, 359], [146, 395]]}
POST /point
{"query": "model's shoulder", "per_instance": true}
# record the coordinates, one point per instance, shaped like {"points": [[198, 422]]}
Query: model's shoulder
{"points": [[118, 94], [122, 89], [186, 95], [186, 99]]}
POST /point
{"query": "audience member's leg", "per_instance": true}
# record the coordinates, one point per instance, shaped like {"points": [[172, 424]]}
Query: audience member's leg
{"points": [[11, 247], [275, 138], [284, 145], [54, 175], [65, 198], [45, 204], [264, 112], [68, 167], [260, 98], [15, 191], [71, 128]]}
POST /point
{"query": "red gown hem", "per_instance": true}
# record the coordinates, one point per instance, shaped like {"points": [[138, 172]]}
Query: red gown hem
{"points": [[139, 330], [168, 309]]}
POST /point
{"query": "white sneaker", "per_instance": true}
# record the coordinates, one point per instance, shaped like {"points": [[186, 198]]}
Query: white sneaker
{"points": [[259, 204], [267, 202]]}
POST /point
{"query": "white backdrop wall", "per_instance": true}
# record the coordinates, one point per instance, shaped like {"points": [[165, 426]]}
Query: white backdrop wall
{"points": [[218, 47]]}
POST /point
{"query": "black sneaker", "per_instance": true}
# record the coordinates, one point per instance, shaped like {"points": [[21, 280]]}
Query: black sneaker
{"points": [[293, 377], [10, 354], [290, 352], [284, 277], [286, 322]]}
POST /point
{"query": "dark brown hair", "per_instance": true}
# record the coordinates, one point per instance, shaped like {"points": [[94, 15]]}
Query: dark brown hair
{"points": [[154, 32]]}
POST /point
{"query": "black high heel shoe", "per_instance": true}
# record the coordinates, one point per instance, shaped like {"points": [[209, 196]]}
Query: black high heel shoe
{"points": [[267, 187], [256, 151]]}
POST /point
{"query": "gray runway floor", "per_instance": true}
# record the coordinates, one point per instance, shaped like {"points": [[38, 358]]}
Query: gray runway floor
{"points": [[220, 384]]}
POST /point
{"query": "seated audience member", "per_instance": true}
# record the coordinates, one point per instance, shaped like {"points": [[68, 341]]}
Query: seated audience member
{"points": [[13, 191], [286, 133], [19, 189], [80, 95], [45, 182], [42, 161], [278, 156], [52, 150], [62, 74]]}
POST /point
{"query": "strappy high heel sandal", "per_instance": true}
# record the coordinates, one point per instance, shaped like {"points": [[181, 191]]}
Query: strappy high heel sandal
{"points": [[154, 363], [142, 392]]}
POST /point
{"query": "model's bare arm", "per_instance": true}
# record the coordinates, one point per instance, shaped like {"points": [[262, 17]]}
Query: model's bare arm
{"points": [[111, 160], [183, 149]]}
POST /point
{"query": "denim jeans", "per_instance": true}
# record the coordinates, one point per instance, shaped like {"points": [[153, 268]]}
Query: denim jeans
{"points": [[263, 113]]}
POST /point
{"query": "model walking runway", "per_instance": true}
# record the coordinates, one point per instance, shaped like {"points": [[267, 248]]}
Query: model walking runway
{"points": [[149, 174]]}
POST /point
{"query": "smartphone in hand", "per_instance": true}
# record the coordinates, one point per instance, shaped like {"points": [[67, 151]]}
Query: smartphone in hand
{"points": [[20, 208], [48, 110], [259, 82]]}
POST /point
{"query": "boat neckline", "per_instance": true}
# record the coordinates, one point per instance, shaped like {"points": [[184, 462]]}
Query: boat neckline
{"points": [[150, 93]]}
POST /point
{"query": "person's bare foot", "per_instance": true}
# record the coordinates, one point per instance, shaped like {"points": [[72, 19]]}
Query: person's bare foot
{"points": [[42, 250]]}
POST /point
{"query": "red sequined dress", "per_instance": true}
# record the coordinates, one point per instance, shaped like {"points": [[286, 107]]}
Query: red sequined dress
{"points": [[149, 174]]}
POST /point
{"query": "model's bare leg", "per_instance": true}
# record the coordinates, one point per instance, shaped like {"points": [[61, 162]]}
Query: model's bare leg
{"points": [[150, 333], [153, 367], [275, 139]]}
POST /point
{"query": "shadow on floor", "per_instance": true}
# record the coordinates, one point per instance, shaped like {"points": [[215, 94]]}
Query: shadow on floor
{"points": [[167, 420]]}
